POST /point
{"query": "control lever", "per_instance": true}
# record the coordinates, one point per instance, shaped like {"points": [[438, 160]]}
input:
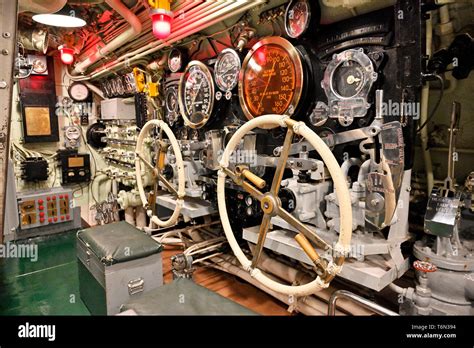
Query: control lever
{"points": [[450, 181]]}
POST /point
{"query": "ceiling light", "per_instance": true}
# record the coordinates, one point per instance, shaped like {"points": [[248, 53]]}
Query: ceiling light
{"points": [[65, 18], [67, 55], [161, 17]]}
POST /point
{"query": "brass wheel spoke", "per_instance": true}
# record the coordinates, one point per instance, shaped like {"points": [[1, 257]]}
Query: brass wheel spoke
{"points": [[254, 192], [305, 230], [262, 234], [281, 165], [148, 164], [166, 183]]}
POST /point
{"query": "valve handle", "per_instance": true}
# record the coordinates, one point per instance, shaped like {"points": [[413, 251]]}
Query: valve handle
{"points": [[424, 266]]}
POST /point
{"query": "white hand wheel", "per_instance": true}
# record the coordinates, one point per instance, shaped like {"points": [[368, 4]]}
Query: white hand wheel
{"points": [[157, 170], [271, 206]]}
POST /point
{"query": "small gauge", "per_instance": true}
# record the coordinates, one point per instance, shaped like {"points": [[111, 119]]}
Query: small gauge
{"points": [[249, 211], [39, 66], [171, 102], [297, 18], [348, 79], [196, 94], [176, 60], [248, 201], [73, 133], [227, 69], [78, 92]]}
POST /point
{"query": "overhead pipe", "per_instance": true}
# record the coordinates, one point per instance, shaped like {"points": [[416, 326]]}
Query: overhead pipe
{"points": [[134, 30], [41, 6], [176, 29], [219, 16]]}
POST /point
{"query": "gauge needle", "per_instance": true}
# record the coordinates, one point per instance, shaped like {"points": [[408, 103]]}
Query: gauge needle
{"points": [[268, 83], [195, 96]]}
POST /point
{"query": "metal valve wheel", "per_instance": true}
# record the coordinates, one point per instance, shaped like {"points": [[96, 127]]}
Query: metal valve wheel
{"points": [[157, 169], [271, 206]]}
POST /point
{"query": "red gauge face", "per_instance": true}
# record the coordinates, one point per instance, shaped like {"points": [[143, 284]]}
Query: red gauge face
{"points": [[298, 16], [271, 80]]}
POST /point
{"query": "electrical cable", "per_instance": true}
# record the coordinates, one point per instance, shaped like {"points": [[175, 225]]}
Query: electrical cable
{"points": [[440, 97]]}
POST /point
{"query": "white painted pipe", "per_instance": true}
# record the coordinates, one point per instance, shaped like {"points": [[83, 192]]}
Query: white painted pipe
{"points": [[347, 164], [94, 89], [41, 6], [130, 215], [134, 30], [363, 172], [219, 16], [140, 215], [96, 184]]}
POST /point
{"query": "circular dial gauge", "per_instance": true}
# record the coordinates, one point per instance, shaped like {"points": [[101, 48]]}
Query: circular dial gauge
{"points": [[297, 18], [227, 70], [196, 94], [73, 133], [175, 60], [39, 66], [78, 92], [348, 79], [271, 79], [171, 101]]}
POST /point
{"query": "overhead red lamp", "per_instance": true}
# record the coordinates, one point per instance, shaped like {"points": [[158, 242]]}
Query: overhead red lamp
{"points": [[67, 54], [161, 17]]}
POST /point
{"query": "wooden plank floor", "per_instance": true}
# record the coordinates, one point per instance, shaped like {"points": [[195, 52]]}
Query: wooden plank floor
{"points": [[230, 287]]}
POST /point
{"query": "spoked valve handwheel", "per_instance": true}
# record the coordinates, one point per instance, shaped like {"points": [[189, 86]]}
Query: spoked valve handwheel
{"points": [[271, 206], [157, 170]]}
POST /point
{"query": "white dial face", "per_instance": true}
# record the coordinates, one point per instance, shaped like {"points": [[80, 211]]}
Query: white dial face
{"points": [[73, 133], [79, 92], [39, 66], [175, 60], [227, 70]]}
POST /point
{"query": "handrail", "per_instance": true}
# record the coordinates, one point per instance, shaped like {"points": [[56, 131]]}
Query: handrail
{"points": [[359, 300]]}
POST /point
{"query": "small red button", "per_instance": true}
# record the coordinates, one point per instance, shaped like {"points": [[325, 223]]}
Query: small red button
{"points": [[41, 207], [48, 198], [60, 196], [67, 217], [55, 219], [41, 214], [62, 217], [50, 220], [54, 197], [66, 196], [41, 220], [40, 201]]}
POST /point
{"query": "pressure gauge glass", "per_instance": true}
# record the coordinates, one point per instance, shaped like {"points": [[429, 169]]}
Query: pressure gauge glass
{"points": [[175, 60], [271, 79], [120, 89], [171, 101], [227, 70], [196, 94], [39, 66], [78, 92], [248, 201], [348, 79], [297, 18]]}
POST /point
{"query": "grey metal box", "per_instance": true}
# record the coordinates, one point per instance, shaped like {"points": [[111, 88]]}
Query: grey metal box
{"points": [[116, 109], [109, 277]]}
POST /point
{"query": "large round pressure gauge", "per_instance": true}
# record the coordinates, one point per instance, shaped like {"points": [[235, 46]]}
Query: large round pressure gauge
{"points": [[196, 94], [78, 92], [271, 78], [297, 18], [227, 68]]}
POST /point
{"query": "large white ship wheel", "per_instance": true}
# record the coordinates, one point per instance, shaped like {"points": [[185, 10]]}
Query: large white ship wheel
{"points": [[271, 206], [158, 169]]}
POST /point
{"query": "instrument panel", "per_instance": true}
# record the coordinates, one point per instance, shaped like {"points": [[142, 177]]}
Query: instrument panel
{"points": [[271, 78], [196, 94]]}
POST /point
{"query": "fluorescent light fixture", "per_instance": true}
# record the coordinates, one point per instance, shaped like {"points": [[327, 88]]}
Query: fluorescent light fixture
{"points": [[65, 18]]}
